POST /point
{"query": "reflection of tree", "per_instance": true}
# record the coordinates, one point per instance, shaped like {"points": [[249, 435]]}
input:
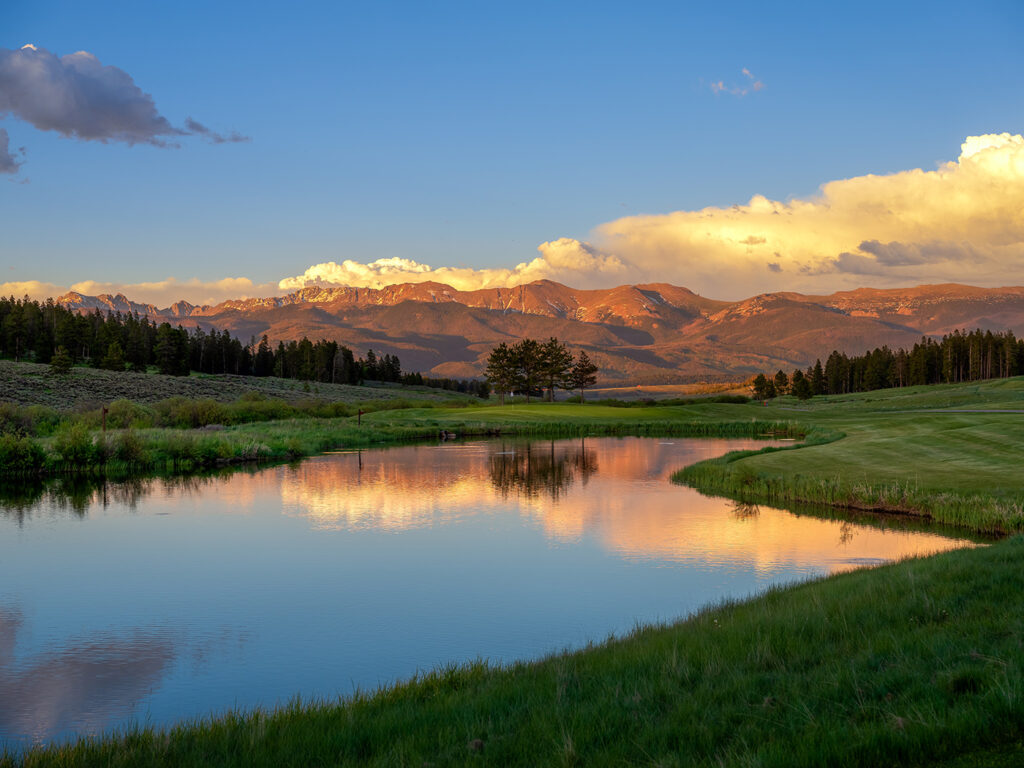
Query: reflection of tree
{"points": [[845, 532], [76, 494], [744, 510], [88, 684], [532, 469]]}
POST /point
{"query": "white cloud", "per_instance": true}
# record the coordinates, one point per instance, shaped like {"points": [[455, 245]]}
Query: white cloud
{"points": [[750, 85], [570, 261]]}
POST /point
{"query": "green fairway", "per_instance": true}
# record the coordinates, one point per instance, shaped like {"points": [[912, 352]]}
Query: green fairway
{"points": [[921, 451]]}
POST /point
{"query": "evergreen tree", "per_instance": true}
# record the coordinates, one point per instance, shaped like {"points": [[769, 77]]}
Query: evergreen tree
{"points": [[171, 352], [781, 382], [501, 370], [528, 359], [555, 363], [583, 373], [800, 385], [763, 387], [114, 359], [817, 379], [60, 363]]}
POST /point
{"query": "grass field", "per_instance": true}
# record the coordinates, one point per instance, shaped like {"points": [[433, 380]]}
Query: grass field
{"points": [[914, 663]]}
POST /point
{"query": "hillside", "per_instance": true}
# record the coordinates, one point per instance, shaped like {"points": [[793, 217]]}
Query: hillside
{"points": [[84, 388], [649, 333]]}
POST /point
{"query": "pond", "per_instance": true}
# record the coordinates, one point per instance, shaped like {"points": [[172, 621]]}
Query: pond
{"points": [[154, 601]]}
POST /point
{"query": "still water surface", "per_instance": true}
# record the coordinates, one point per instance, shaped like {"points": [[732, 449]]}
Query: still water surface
{"points": [[155, 601]]}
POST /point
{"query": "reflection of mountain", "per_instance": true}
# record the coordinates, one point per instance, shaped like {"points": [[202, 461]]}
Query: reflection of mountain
{"points": [[85, 686], [541, 469], [613, 490]]}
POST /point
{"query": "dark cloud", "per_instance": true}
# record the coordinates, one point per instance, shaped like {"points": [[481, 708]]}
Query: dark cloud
{"points": [[197, 128], [896, 254], [9, 163], [774, 266], [852, 263], [79, 97], [877, 258]]}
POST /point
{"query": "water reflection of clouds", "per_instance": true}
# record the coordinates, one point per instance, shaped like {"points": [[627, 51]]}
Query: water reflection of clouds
{"points": [[83, 686]]}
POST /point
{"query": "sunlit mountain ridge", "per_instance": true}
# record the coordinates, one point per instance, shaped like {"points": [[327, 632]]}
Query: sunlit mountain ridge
{"points": [[646, 333]]}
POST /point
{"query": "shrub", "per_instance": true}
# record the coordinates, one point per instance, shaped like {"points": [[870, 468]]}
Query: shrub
{"points": [[182, 412], [123, 414], [129, 448], [20, 455], [209, 451], [74, 445], [181, 448]]}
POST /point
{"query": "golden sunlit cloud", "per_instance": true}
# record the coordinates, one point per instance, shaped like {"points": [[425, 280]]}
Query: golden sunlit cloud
{"points": [[958, 223], [161, 293], [961, 222], [569, 261]]}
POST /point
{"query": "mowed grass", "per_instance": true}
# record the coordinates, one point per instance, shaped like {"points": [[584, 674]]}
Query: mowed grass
{"points": [[914, 663], [894, 450]]}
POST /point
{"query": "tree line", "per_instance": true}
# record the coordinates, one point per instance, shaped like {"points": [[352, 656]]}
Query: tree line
{"points": [[47, 332], [478, 387], [956, 357], [530, 366]]}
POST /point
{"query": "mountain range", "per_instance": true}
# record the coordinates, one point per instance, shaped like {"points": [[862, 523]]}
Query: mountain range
{"points": [[652, 333]]}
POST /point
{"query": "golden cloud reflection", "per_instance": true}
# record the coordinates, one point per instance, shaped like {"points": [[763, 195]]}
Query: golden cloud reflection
{"points": [[612, 491]]}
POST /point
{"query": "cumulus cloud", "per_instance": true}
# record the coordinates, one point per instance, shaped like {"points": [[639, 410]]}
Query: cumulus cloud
{"points": [[161, 293], [571, 261], [750, 84], [79, 97], [961, 222], [34, 289]]}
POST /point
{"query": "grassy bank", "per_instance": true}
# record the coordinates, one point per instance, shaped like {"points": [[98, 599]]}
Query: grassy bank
{"points": [[915, 663], [80, 450], [952, 453]]}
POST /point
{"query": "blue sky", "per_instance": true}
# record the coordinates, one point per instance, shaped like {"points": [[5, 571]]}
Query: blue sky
{"points": [[468, 134]]}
